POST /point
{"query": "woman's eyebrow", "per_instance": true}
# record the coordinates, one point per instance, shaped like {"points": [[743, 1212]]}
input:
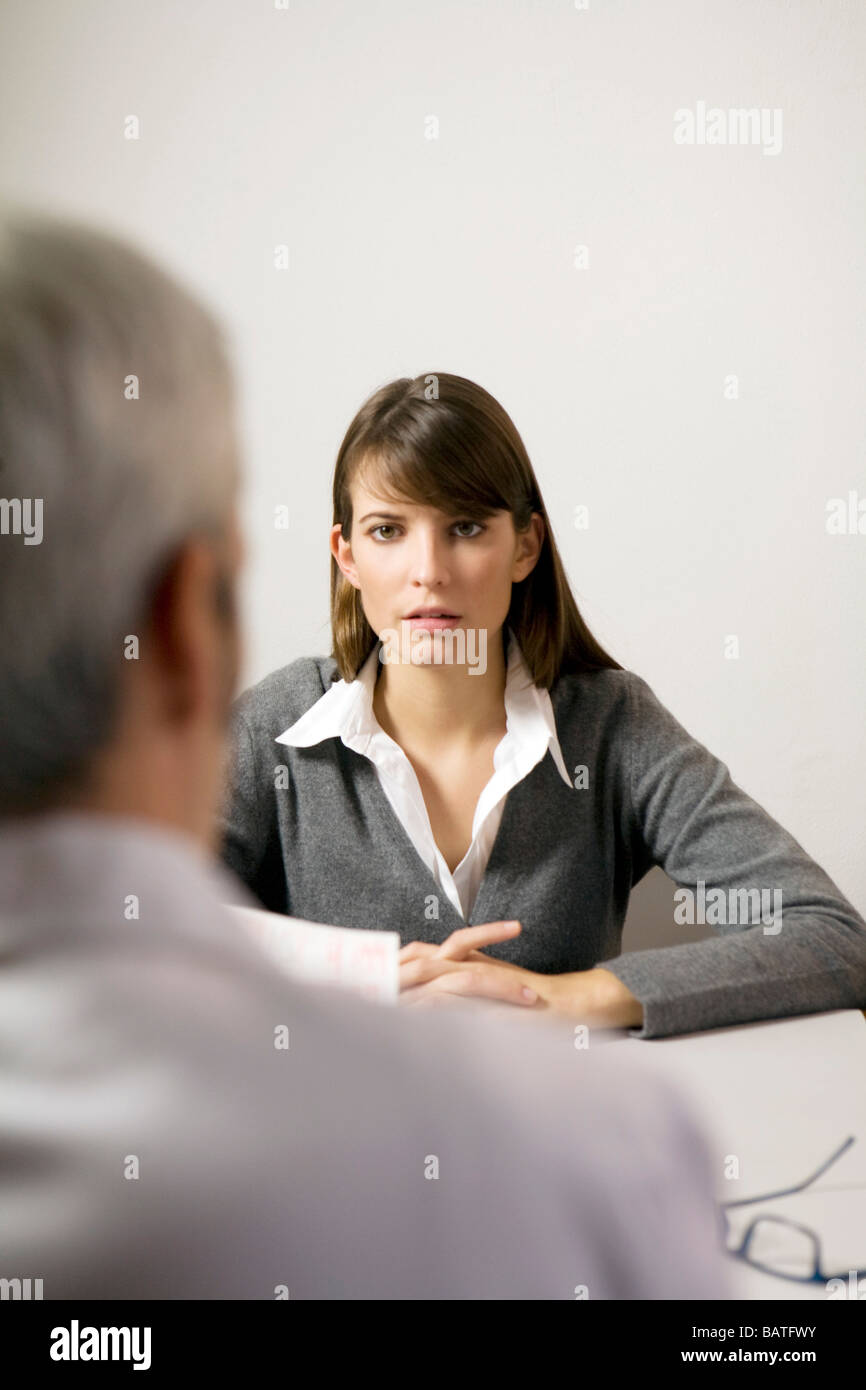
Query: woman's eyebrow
{"points": [[398, 516]]}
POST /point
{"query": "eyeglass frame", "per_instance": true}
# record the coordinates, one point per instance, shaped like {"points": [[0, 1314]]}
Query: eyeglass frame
{"points": [[742, 1250]]}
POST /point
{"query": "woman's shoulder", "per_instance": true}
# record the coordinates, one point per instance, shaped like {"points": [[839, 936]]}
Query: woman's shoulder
{"points": [[284, 695], [616, 702], [611, 691]]}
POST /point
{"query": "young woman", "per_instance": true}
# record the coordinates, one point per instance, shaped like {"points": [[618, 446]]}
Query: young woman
{"points": [[471, 769]]}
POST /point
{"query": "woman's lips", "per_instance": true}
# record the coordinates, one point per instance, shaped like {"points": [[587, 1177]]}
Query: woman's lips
{"points": [[432, 624]]}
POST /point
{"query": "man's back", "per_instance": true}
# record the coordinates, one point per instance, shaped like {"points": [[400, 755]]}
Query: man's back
{"points": [[178, 1121]]}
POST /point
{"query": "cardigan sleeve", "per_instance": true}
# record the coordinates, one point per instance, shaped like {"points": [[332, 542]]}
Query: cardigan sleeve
{"points": [[794, 946], [248, 824]]}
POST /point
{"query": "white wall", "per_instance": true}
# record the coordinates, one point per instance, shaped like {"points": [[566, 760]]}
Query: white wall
{"points": [[556, 129]]}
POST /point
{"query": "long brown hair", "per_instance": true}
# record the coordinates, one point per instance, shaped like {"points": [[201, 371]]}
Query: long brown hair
{"points": [[442, 441]]}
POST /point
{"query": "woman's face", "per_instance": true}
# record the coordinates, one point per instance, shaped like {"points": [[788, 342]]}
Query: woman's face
{"points": [[406, 556]]}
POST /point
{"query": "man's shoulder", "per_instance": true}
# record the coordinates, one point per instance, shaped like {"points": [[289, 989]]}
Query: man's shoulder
{"points": [[321, 1116]]}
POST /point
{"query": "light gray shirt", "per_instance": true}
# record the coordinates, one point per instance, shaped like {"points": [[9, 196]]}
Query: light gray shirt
{"points": [[159, 1139]]}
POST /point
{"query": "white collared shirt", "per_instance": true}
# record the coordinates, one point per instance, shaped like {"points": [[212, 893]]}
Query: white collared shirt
{"points": [[345, 711]]}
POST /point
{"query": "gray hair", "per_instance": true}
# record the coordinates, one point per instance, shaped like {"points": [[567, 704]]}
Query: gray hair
{"points": [[116, 483]]}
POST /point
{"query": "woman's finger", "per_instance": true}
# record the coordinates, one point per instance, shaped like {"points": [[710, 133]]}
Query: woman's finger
{"points": [[414, 950], [422, 969], [462, 943], [466, 939], [487, 981], [481, 956], [429, 967]]}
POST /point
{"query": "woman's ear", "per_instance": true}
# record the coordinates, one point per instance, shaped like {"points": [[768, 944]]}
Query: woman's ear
{"points": [[529, 543], [341, 550]]}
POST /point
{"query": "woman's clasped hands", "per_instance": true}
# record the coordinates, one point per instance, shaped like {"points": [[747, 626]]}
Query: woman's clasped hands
{"points": [[433, 975], [436, 976]]}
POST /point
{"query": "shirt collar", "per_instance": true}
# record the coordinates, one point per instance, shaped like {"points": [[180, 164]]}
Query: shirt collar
{"points": [[345, 711]]}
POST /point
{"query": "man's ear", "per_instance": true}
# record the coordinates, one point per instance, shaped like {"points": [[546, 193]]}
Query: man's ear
{"points": [[185, 637]]}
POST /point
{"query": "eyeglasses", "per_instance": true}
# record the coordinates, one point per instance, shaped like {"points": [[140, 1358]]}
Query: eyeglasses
{"points": [[779, 1246]]}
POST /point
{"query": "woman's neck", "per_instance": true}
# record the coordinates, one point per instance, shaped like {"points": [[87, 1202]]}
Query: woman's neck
{"points": [[442, 706]]}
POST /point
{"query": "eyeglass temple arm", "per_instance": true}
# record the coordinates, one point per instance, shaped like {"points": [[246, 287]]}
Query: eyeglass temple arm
{"points": [[798, 1187]]}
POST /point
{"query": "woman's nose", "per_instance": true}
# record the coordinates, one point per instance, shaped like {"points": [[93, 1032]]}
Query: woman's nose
{"points": [[429, 560]]}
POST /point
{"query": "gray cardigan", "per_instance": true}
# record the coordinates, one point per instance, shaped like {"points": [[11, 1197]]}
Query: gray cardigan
{"points": [[312, 834]]}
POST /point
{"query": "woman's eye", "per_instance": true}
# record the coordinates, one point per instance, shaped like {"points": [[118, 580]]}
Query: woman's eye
{"points": [[389, 526]]}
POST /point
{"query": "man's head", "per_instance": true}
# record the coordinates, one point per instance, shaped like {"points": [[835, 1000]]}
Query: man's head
{"points": [[119, 545]]}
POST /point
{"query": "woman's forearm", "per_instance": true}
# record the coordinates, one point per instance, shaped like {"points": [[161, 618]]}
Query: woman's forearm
{"points": [[593, 996]]}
